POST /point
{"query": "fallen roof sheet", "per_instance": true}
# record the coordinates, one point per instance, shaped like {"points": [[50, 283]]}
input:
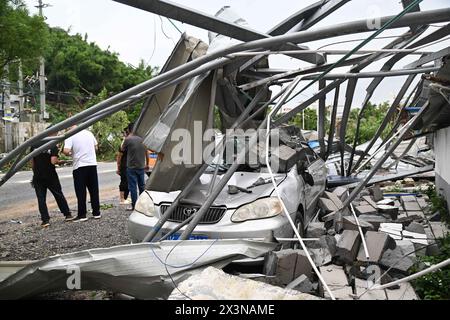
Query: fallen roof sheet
{"points": [[144, 271]]}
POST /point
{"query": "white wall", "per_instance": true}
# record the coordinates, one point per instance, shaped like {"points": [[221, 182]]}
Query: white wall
{"points": [[442, 154]]}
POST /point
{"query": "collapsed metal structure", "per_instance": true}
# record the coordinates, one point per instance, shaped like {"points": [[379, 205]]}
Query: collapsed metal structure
{"points": [[236, 78]]}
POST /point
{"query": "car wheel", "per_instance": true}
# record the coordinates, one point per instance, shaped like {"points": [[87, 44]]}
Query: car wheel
{"points": [[301, 229]]}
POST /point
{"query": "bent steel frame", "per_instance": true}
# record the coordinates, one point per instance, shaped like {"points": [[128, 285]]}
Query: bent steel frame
{"points": [[244, 75]]}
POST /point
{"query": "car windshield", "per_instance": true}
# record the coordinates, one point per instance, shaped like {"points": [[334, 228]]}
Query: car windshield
{"points": [[233, 145]]}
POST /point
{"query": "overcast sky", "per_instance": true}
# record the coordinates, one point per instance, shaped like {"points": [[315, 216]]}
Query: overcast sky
{"points": [[135, 34]]}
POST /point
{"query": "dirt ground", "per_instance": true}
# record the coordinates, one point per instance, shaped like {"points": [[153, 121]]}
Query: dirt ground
{"points": [[22, 238]]}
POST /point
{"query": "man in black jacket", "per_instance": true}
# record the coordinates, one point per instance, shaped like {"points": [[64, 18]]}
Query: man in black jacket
{"points": [[45, 178]]}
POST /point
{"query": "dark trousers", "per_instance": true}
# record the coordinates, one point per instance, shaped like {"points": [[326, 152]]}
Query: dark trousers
{"points": [[123, 186], [136, 179], [86, 178], [41, 186]]}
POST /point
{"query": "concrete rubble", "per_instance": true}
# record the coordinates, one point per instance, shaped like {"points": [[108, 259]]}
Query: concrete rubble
{"points": [[214, 284], [397, 230]]}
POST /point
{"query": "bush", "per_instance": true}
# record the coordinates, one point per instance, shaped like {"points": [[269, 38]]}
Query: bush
{"points": [[436, 285]]}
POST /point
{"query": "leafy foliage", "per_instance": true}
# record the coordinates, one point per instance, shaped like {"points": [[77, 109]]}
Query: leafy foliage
{"points": [[438, 203], [436, 285], [371, 121], [21, 36], [79, 70], [109, 131], [310, 119]]}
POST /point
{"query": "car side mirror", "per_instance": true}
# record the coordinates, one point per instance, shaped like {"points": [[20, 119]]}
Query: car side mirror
{"points": [[302, 167], [308, 178]]}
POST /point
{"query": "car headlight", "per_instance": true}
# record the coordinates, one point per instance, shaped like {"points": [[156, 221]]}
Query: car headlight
{"points": [[259, 209], [145, 205]]}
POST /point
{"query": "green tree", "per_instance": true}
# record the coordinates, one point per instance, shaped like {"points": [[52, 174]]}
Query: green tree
{"points": [[371, 120], [21, 36], [109, 130], [310, 119]]}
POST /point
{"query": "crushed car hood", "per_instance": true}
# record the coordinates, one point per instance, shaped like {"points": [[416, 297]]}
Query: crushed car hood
{"points": [[241, 179]]}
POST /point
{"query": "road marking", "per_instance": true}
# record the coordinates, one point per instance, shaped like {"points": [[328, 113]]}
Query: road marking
{"points": [[66, 176]]}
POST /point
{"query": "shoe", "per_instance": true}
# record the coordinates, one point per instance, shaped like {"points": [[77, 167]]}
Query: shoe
{"points": [[129, 209], [80, 219], [98, 216], [69, 217], [125, 202], [45, 224]]}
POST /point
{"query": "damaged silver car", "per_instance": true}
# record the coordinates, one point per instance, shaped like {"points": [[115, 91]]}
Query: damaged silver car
{"points": [[246, 208]]}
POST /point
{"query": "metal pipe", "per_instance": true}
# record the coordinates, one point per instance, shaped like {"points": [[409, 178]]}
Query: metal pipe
{"points": [[226, 177], [286, 117], [412, 19], [333, 122], [388, 116], [388, 152], [153, 232], [328, 52]]}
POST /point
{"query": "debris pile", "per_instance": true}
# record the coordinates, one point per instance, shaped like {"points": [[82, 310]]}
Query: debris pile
{"points": [[396, 231]]}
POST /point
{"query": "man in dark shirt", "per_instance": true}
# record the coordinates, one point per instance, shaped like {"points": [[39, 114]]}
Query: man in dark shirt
{"points": [[137, 163], [45, 177], [122, 172]]}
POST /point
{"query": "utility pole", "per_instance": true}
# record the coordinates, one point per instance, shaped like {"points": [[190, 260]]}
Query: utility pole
{"points": [[42, 75], [6, 102], [20, 85]]}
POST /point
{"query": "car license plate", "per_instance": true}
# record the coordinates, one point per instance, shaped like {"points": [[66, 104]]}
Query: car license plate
{"points": [[176, 236]]}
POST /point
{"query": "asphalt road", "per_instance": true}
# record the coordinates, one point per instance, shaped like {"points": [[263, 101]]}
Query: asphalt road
{"points": [[18, 198]]}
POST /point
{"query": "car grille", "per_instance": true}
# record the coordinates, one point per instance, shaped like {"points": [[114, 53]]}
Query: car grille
{"points": [[181, 213]]}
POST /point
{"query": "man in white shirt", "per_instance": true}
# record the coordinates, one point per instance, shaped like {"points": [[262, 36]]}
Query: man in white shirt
{"points": [[81, 147]]}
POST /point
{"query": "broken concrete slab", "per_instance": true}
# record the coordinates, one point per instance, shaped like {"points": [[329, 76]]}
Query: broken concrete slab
{"points": [[407, 198], [303, 284], [422, 203], [286, 265], [340, 293], [281, 264], [361, 288], [327, 205], [333, 197], [392, 211], [341, 193], [325, 241], [302, 265], [350, 224], [374, 220], [376, 193], [336, 279], [334, 275], [439, 229], [377, 243], [415, 227], [348, 246], [365, 209], [214, 284], [316, 230], [321, 256], [416, 215], [412, 206], [395, 258], [371, 202]]}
